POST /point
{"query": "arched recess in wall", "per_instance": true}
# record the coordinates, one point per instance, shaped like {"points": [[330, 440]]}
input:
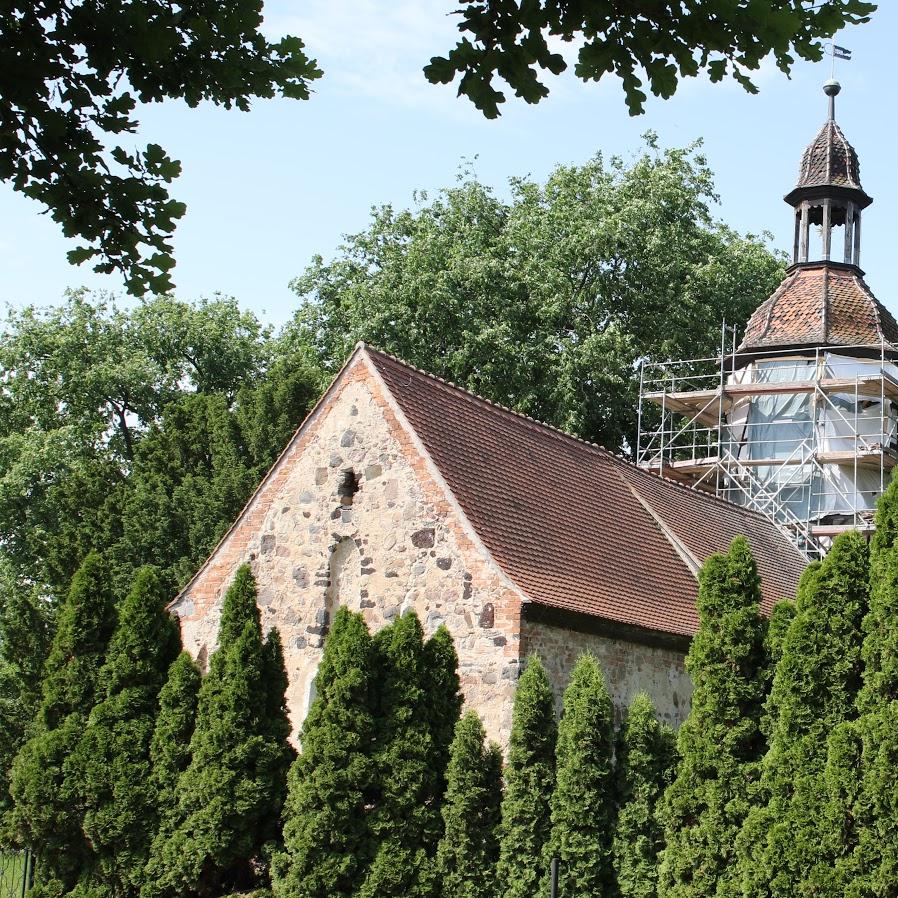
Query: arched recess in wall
{"points": [[344, 588], [344, 577]]}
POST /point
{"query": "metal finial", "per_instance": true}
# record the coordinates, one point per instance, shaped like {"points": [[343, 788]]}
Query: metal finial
{"points": [[832, 89]]}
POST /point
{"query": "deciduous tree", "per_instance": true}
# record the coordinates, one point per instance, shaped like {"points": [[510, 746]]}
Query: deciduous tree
{"points": [[75, 75], [657, 43], [602, 265]]}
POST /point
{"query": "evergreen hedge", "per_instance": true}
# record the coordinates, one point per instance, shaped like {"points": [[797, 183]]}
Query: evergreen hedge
{"points": [[529, 781]]}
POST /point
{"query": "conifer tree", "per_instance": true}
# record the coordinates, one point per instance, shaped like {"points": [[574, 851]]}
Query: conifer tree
{"points": [[403, 822], [529, 782], [721, 742], [469, 850], [327, 839], [777, 626], [583, 799], [46, 814], [862, 758], [646, 759], [814, 690], [443, 687], [170, 744], [111, 764], [231, 795], [24, 643]]}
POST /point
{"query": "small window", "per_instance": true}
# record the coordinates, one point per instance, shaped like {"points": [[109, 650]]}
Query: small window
{"points": [[349, 486]]}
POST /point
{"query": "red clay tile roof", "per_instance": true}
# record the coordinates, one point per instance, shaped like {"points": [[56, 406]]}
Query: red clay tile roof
{"points": [[830, 160], [820, 305], [571, 524]]}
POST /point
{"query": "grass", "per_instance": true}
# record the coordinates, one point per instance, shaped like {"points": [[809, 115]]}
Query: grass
{"points": [[12, 870]]}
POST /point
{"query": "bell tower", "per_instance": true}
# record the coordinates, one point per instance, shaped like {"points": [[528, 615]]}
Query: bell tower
{"points": [[828, 195], [799, 421]]}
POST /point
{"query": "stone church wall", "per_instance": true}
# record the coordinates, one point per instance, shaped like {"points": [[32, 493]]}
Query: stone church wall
{"points": [[629, 666], [401, 544]]}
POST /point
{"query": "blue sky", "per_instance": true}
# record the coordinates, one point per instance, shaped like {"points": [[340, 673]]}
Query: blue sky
{"points": [[268, 189]]}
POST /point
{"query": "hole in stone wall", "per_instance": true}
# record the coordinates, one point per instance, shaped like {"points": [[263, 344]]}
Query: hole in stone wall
{"points": [[349, 486]]}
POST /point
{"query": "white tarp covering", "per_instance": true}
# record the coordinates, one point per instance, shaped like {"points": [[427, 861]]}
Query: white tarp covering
{"points": [[781, 427]]}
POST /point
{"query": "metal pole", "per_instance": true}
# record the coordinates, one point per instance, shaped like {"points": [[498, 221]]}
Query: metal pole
{"points": [[553, 878], [639, 412], [26, 871]]}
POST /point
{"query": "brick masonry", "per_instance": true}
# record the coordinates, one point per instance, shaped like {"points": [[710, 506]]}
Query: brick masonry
{"points": [[402, 543]]}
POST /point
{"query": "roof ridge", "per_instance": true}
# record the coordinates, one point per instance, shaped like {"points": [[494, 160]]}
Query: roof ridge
{"points": [[556, 431]]}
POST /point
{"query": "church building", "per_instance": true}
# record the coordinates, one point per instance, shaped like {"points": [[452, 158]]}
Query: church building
{"points": [[401, 491]]}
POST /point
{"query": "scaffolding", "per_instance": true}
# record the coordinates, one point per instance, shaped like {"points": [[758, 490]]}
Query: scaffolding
{"points": [[807, 437]]}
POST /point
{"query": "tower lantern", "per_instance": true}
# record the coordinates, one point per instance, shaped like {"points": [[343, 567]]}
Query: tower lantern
{"points": [[828, 194], [800, 421]]}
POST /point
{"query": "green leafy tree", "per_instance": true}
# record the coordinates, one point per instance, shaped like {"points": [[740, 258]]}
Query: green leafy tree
{"points": [[111, 765], [721, 741], [327, 838], [644, 44], [405, 821], [231, 794], [602, 265], [79, 74], [814, 690], [47, 811], [172, 734], [139, 432], [646, 759], [582, 802], [529, 781], [469, 849]]}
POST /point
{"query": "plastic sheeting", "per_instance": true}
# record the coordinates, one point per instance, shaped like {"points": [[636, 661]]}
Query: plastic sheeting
{"points": [[780, 427]]}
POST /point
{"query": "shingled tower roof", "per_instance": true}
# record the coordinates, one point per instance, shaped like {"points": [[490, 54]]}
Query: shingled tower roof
{"points": [[830, 160], [822, 302]]}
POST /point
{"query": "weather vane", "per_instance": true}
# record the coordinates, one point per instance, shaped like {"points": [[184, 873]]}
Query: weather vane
{"points": [[837, 52]]}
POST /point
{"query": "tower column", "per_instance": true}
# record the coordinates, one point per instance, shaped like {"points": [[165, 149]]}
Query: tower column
{"points": [[857, 240], [803, 251], [827, 228], [849, 233]]}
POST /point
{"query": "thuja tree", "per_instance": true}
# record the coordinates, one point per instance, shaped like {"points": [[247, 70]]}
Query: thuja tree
{"points": [[111, 765], [583, 799], [443, 688], [529, 781], [46, 814], [777, 626], [814, 690], [721, 742], [405, 819], [469, 849], [863, 757], [231, 794], [646, 756], [327, 838], [170, 744], [25, 626]]}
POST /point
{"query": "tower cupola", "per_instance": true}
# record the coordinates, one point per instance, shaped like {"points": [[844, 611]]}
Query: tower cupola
{"points": [[828, 194]]}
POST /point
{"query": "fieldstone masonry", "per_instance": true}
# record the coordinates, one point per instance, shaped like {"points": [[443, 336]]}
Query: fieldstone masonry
{"points": [[355, 513]]}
